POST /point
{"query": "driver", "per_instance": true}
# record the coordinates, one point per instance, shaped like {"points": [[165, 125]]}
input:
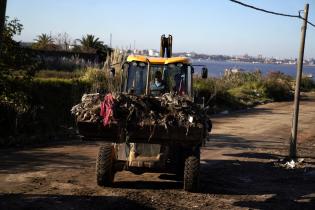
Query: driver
{"points": [[157, 86]]}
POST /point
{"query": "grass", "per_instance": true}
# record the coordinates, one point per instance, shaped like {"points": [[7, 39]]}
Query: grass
{"points": [[59, 74]]}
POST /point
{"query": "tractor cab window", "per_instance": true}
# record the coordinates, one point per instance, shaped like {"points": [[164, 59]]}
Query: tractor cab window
{"points": [[158, 86], [163, 78], [176, 75], [137, 76]]}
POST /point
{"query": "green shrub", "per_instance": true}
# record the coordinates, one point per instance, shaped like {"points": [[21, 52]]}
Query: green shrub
{"points": [[233, 80], [101, 80], [215, 94], [250, 93], [243, 89], [307, 84], [278, 86], [57, 96], [48, 113]]}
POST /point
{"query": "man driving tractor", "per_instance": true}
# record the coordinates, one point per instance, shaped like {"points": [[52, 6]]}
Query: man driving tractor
{"points": [[158, 86]]}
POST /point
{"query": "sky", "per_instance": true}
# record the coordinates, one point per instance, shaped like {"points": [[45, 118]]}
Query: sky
{"points": [[202, 26]]}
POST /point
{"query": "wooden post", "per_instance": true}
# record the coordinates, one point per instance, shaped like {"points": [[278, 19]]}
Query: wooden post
{"points": [[3, 5], [297, 88]]}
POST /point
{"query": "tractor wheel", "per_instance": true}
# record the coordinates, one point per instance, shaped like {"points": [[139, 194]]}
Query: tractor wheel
{"points": [[191, 173], [105, 165]]}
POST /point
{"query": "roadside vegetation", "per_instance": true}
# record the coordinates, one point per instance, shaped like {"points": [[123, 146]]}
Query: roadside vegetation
{"points": [[247, 89]]}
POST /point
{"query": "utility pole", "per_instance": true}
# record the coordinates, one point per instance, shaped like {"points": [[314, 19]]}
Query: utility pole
{"points": [[3, 5], [297, 87]]}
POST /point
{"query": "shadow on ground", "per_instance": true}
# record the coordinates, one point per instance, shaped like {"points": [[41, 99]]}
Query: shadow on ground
{"points": [[152, 185], [282, 188], [15, 160], [218, 141], [253, 177], [262, 156], [245, 112], [57, 202]]}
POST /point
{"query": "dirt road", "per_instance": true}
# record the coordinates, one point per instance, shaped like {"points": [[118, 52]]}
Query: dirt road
{"points": [[239, 170]]}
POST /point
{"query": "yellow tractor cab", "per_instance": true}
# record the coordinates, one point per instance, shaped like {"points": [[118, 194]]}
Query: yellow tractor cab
{"points": [[176, 75]]}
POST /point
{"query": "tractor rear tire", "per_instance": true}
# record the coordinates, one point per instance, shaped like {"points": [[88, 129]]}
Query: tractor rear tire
{"points": [[191, 173], [105, 162]]}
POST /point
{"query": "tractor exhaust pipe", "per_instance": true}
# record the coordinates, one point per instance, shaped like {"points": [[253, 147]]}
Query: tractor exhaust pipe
{"points": [[169, 46], [162, 46], [166, 46]]}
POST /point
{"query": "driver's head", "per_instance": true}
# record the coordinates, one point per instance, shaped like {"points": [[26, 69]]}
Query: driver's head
{"points": [[158, 75]]}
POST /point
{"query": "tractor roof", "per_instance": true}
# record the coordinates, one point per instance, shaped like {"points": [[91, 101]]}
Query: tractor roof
{"points": [[158, 60]]}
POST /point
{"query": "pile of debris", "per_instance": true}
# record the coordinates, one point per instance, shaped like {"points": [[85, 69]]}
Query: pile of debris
{"points": [[89, 108], [131, 111]]}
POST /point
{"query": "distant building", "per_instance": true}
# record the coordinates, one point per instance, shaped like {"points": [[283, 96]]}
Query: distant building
{"points": [[153, 53], [191, 54]]}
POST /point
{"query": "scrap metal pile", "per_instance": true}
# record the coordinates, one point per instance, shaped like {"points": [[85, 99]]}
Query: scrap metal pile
{"points": [[131, 111]]}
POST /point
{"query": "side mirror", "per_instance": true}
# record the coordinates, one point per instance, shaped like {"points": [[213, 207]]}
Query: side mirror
{"points": [[204, 73], [112, 72]]}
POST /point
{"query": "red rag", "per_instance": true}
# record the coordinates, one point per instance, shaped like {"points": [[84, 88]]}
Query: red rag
{"points": [[106, 108]]}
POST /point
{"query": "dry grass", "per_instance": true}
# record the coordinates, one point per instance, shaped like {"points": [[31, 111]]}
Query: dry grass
{"points": [[115, 60]]}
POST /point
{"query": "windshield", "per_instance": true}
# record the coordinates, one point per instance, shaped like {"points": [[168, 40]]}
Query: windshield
{"points": [[163, 78], [176, 78], [137, 77]]}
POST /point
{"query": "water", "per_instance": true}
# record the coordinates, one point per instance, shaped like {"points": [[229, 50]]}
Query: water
{"points": [[216, 68]]}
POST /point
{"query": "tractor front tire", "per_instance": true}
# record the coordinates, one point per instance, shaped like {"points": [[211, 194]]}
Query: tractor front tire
{"points": [[105, 171], [191, 173]]}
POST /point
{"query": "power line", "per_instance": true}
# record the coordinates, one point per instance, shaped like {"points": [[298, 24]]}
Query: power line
{"points": [[271, 12], [310, 23]]}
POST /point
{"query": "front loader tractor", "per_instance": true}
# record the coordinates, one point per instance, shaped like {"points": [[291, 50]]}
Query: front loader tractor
{"points": [[152, 124]]}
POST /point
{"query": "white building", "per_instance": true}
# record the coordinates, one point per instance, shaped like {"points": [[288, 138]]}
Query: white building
{"points": [[153, 53]]}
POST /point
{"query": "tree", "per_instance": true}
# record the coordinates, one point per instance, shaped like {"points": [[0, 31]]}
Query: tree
{"points": [[17, 67], [3, 5], [44, 41], [16, 63], [63, 40], [90, 43], [13, 56]]}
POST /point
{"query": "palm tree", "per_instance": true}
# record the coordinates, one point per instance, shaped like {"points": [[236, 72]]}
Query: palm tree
{"points": [[44, 41], [90, 43]]}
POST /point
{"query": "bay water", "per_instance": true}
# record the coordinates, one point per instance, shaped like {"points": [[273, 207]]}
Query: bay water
{"points": [[216, 68]]}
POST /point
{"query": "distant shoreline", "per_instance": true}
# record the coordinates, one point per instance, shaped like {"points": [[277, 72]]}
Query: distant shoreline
{"points": [[246, 62], [216, 68]]}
